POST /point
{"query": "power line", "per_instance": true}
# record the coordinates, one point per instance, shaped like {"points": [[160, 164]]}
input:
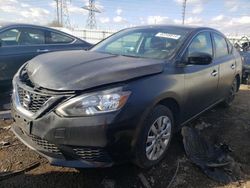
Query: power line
{"points": [[66, 20], [62, 13], [91, 21]]}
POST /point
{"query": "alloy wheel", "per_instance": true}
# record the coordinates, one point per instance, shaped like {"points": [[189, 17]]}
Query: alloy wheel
{"points": [[158, 138]]}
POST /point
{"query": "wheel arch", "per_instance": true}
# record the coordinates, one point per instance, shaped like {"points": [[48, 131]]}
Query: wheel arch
{"points": [[174, 106], [238, 81], [169, 100]]}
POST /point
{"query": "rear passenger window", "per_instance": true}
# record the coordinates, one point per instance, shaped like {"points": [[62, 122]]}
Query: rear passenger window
{"points": [[230, 47], [201, 43], [30, 36], [221, 48], [56, 38]]}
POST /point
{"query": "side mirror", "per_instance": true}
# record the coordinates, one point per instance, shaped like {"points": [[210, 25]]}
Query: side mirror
{"points": [[199, 58]]}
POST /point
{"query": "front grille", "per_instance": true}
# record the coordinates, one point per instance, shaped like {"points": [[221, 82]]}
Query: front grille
{"points": [[24, 77], [36, 100], [92, 154], [86, 153], [45, 144]]}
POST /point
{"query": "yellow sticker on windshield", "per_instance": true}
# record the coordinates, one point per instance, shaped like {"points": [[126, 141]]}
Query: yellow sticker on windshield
{"points": [[168, 35]]}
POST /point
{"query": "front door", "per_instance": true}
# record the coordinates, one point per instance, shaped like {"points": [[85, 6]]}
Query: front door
{"points": [[201, 81]]}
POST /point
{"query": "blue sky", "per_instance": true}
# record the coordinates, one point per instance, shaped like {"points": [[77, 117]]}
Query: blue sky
{"points": [[231, 16]]}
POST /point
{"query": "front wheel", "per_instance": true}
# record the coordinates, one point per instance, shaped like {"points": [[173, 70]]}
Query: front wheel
{"points": [[155, 137], [233, 90]]}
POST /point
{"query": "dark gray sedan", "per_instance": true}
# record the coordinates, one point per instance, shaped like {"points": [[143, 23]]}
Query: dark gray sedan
{"points": [[21, 42], [123, 99]]}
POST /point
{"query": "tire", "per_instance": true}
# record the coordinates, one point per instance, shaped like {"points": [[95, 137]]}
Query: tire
{"points": [[155, 136], [230, 98], [248, 79]]}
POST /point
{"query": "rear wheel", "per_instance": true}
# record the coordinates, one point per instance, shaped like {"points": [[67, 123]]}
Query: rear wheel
{"points": [[233, 90], [155, 137]]}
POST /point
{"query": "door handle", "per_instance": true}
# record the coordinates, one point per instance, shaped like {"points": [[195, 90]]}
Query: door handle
{"points": [[233, 66], [214, 73], [42, 50]]}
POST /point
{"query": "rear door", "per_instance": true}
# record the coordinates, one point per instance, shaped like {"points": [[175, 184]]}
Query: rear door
{"points": [[227, 64], [18, 45], [201, 81], [59, 41]]}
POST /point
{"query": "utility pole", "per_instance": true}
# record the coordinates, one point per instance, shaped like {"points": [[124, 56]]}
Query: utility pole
{"points": [[91, 21], [62, 13], [184, 11], [57, 12], [66, 20]]}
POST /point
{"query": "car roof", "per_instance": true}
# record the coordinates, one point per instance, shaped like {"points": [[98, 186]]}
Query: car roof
{"points": [[184, 27], [8, 24]]}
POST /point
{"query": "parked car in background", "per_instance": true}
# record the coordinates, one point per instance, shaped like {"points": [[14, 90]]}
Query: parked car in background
{"points": [[123, 99], [245, 53], [21, 42]]}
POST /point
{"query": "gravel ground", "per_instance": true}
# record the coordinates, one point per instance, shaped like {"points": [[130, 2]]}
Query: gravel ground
{"points": [[231, 126]]}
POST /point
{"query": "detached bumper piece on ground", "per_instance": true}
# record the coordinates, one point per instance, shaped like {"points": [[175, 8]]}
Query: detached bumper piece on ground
{"points": [[214, 161]]}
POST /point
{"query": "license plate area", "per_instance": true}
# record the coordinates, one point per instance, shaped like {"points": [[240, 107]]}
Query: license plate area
{"points": [[26, 126]]}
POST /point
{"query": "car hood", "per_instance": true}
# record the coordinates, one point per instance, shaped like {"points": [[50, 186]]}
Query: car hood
{"points": [[80, 70]]}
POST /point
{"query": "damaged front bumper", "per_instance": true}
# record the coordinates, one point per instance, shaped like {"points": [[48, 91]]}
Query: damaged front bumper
{"points": [[63, 155], [80, 142], [63, 143]]}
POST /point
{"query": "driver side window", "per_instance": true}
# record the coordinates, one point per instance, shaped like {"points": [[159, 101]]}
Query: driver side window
{"points": [[202, 44], [22, 37], [10, 37]]}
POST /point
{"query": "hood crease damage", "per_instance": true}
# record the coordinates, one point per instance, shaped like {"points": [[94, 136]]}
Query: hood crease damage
{"points": [[80, 70]]}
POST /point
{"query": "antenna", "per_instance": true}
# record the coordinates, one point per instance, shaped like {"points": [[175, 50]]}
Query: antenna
{"points": [[184, 11], [91, 21]]}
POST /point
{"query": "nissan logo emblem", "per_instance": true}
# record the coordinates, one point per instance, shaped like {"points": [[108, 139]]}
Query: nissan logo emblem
{"points": [[27, 101]]}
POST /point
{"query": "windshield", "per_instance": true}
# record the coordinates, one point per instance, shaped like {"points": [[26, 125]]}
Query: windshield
{"points": [[152, 43]]}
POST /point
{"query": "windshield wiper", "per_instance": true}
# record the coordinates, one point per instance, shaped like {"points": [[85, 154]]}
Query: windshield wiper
{"points": [[130, 56]]}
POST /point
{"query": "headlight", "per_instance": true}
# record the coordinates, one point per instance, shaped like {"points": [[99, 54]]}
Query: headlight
{"points": [[95, 103]]}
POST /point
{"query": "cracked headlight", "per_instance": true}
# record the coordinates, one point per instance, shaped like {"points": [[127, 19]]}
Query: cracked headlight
{"points": [[94, 103]]}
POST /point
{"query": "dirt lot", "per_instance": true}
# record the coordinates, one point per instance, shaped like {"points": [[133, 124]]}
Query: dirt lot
{"points": [[231, 126]]}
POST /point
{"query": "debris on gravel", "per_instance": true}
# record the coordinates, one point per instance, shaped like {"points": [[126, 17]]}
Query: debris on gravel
{"points": [[6, 175], [144, 181], [108, 183], [4, 143]]}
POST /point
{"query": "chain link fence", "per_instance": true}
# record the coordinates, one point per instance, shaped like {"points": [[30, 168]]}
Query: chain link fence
{"points": [[92, 36]]}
